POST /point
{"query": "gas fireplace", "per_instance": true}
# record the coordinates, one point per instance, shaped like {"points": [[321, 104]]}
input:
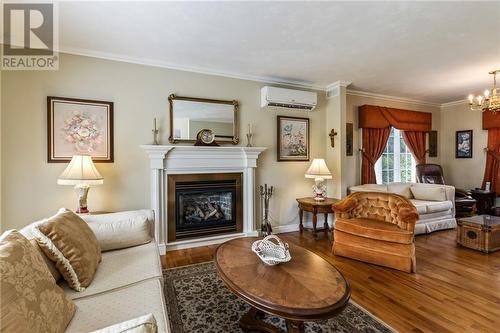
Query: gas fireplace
{"points": [[204, 205]]}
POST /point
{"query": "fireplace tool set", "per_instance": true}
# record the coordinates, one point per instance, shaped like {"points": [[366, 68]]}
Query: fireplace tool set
{"points": [[265, 194]]}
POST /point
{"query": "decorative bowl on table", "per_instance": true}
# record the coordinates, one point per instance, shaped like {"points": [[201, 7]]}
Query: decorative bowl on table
{"points": [[271, 250]]}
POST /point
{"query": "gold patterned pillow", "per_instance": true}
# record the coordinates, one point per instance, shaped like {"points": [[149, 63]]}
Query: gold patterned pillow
{"points": [[50, 264], [31, 301], [68, 241]]}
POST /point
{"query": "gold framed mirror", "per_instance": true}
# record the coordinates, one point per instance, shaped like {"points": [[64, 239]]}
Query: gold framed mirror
{"points": [[189, 115]]}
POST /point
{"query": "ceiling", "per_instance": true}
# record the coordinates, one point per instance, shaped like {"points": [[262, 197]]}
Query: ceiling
{"points": [[431, 51]]}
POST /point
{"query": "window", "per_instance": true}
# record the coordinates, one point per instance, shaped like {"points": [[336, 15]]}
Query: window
{"points": [[396, 163]]}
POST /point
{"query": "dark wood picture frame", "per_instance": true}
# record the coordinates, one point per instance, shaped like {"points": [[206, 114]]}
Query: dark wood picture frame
{"points": [[349, 137], [282, 158], [51, 140], [433, 143], [459, 152]]}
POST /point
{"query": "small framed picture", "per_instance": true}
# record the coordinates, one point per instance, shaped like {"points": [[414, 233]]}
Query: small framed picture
{"points": [[463, 142], [433, 142], [293, 139], [79, 126], [349, 135]]}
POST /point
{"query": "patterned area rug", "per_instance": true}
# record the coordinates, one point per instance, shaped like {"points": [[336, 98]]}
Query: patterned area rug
{"points": [[198, 301]]}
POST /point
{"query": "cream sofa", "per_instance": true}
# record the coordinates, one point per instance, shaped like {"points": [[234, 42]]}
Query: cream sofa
{"points": [[433, 215], [128, 282]]}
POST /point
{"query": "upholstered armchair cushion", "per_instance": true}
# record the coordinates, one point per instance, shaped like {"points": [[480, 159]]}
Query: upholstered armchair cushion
{"points": [[385, 207], [375, 230]]}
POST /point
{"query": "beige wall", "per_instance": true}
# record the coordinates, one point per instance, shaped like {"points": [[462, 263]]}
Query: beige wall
{"points": [[139, 93], [353, 163], [465, 173]]}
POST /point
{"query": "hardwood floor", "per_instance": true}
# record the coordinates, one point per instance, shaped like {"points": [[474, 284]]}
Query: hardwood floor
{"points": [[454, 290]]}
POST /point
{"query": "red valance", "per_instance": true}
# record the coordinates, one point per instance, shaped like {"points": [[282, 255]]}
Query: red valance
{"points": [[491, 120], [372, 116]]}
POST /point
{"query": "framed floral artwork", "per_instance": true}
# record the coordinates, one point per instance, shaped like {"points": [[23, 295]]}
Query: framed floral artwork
{"points": [[293, 139], [79, 126]]}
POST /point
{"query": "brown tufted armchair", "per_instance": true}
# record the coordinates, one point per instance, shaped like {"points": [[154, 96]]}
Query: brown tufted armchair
{"points": [[376, 228]]}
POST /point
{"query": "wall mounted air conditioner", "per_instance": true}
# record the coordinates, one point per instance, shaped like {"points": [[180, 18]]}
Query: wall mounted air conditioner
{"points": [[288, 98]]}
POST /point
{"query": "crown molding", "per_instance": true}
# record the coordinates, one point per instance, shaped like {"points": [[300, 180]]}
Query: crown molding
{"points": [[391, 98], [337, 84], [330, 89], [454, 103], [192, 69]]}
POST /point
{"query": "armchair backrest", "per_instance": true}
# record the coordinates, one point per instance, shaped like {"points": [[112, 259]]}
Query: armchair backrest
{"points": [[430, 174], [386, 207]]}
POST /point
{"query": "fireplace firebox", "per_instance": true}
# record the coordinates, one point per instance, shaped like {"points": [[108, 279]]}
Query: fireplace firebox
{"points": [[202, 205]]}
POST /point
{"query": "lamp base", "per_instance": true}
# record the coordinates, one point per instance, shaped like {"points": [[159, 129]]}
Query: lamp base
{"points": [[319, 197], [319, 189], [82, 191]]}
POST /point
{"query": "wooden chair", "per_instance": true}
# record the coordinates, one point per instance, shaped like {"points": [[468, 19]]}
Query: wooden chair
{"points": [[377, 228]]}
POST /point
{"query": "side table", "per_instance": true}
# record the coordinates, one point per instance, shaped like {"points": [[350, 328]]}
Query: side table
{"points": [[485, 201], [308, 204]]}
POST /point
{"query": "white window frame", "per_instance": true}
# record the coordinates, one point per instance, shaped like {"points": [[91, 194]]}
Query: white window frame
{"points": [[398, 136]]}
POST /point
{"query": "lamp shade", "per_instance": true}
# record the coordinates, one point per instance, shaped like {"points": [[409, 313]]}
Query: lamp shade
{"points": [[81, 170], [318, 169]]}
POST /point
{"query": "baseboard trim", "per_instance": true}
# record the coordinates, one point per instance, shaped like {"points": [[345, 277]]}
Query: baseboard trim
{"points": [[192, 243]]}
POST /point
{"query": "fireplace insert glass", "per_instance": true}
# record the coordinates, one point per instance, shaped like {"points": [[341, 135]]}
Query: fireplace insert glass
{"points": [[205, 207]]}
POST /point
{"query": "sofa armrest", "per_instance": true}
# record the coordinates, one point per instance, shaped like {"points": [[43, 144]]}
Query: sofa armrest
{"points": [[120, 230]]}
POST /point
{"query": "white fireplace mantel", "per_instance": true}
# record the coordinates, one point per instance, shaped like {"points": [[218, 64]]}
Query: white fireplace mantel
{"points": [[175, 159]]}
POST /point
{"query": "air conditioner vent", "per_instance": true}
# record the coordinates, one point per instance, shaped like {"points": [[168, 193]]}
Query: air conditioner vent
{"points": [[288, 98]]}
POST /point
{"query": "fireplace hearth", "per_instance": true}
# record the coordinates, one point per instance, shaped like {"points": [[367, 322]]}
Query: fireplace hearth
{"points": [[204, 205]]}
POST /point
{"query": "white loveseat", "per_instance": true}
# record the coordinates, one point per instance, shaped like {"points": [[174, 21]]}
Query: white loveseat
{"points": [[433, 215], [128, 282]]}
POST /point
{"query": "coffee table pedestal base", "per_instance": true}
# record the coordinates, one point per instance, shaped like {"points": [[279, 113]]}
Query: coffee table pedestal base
{"points": [[252, 321]]}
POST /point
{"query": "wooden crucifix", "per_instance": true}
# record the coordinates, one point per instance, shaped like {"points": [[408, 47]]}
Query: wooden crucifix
{"points": [[332, 137]]}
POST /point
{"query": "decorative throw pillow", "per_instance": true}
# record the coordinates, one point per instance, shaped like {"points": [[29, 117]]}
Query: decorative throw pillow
{"points": [[430, 193], [50, 264], [31, 301], [69, 242], [133, 230]]}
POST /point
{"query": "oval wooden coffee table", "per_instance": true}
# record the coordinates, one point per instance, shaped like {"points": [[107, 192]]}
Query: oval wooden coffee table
{"points": [[306, 288]]}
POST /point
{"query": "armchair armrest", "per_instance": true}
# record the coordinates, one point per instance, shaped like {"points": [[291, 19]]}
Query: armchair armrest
{"points": [[120, 230], [407, 217], [343, 207]]}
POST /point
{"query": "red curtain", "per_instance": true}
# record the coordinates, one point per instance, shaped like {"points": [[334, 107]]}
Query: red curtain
{"points": [[492, 170], [416, 143], [373, 116], [374, 141]]}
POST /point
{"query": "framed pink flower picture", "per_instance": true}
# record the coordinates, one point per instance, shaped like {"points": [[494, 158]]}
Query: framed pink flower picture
{"points": [[79, 126], [293, 139]]}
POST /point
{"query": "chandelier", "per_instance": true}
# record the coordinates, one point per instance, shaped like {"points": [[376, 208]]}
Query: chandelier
{"points": [[489, 101]]}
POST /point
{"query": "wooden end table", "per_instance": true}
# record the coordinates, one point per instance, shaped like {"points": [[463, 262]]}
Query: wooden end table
{"points": [[283, 290], [485, 201], [308, 204]]}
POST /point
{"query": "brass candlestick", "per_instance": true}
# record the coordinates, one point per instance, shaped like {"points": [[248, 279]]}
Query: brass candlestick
{"points": [[155, 133], [249, 136]]}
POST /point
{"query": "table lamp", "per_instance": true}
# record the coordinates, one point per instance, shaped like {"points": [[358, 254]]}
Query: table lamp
{"points": [[319, 172], [81, 173]]}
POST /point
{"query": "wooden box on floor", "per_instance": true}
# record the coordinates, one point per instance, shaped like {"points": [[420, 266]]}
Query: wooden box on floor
{"points": [[480, 233]]}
